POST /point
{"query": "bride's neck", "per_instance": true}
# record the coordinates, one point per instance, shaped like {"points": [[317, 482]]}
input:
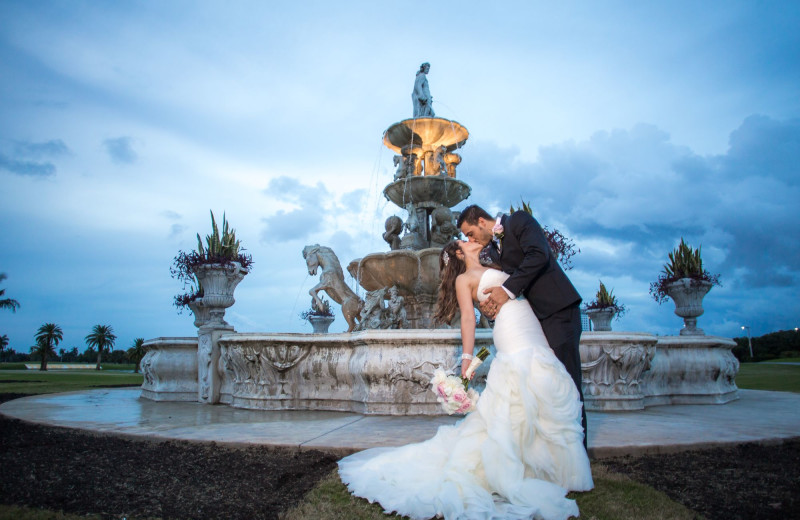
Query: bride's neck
{"points": [[472, 262]]}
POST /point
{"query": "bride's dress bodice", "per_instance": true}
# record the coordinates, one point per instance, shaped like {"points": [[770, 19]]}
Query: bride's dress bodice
{"points": [[516, 326]]}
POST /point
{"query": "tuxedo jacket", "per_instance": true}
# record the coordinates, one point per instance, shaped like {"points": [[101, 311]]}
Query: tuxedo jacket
{"points": [[525, 254]]}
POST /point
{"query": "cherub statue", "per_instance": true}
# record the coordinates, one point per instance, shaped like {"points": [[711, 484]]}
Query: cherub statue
{"points": [[394, 226], [442, 228], [405, 166], [439, 165], [372, 314]]}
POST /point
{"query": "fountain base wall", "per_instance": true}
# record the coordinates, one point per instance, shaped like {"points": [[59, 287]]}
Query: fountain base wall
{"points": [[388, 372]]}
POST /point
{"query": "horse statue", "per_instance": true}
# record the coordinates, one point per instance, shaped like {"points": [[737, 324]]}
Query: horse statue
{"points": [[331, 281]]}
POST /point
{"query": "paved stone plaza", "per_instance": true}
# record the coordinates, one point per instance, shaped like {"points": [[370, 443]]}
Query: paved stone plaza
{"points": [[758, 416]]}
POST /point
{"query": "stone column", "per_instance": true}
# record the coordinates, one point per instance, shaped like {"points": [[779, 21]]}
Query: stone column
{"points": [[208, 379]]}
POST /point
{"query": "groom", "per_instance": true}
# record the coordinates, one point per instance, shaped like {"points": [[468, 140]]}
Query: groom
{"points": [[518, 245]]}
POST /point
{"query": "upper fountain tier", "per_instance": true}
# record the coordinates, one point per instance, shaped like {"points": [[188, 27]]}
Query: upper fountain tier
{"points": [[426, 134]]}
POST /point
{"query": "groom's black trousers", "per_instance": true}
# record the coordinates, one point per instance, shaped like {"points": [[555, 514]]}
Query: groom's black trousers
{"points": [[563, 331]]}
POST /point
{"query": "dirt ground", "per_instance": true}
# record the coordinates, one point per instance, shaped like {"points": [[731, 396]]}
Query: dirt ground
{"points": [[82, 473]]}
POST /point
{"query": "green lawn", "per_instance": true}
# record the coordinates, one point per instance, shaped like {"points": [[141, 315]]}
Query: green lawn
{"points": [[769, 376], [37, 382], [615, 497]]}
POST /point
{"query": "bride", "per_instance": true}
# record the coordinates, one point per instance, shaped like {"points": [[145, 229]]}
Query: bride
{"points": [[521, 450]]}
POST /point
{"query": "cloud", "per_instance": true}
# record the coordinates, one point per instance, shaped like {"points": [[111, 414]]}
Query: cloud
{"points": [[52, 148], [121, 150], [27, 155], [308, 217], [172, 215], [628, 196], [27, 168], [176, 230]]}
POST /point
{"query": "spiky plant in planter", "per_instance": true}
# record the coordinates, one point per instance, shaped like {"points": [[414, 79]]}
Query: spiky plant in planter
{"points": [[684, 263], [603, 308], [685, 281], [562, 247], [219, 249], [314, 311], [319, 318], [605, 299]]}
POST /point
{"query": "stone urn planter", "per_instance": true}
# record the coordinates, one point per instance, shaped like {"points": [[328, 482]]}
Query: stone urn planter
{"points": [[320, 324], [218, 282], [688, 294], [601, 318]]}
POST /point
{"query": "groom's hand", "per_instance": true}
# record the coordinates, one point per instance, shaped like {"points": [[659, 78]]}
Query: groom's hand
{"points": [[491, 305]]}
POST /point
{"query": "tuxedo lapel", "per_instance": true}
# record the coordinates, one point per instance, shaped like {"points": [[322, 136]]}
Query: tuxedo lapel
{"points": [[502, 249]]}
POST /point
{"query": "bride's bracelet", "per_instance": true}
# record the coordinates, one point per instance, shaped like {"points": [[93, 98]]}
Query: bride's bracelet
{"points": [[465, 357]]}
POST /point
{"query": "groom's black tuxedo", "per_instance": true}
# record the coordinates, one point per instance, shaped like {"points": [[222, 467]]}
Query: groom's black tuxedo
{"points": [[524, 254]]}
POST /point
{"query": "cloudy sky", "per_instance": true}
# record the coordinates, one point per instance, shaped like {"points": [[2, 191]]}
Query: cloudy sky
{"points": [[627, 125]]}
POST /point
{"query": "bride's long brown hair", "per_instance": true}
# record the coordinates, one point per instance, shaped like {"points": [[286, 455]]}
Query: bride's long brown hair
{"points": [[447, 303]]}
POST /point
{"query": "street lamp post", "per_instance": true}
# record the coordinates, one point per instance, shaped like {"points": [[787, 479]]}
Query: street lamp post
{"points": [[749, 340]]}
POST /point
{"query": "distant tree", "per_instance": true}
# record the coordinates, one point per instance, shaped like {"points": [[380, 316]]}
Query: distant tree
{"points": [[87, 356], [773, 345], [3, 345], [7, 303], [102, 337], [117, 357], [136, 352], [71, 355], [47, 337]]}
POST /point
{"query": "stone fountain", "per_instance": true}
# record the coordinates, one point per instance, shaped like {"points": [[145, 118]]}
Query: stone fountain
{"points": [[426, 187], [384, 363]]}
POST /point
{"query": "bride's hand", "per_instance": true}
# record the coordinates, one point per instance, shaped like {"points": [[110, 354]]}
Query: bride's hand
{"points": [[464, 365]]}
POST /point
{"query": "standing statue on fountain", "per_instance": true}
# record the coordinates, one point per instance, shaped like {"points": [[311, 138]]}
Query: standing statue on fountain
{"points": [[397, 309], [421, 96]]}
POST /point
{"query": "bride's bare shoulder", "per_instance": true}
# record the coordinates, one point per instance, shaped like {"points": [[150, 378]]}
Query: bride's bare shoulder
{"points": [[470, 276]]}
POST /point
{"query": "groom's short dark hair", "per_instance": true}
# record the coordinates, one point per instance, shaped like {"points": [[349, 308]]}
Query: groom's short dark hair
{"points": [[471, 214]]}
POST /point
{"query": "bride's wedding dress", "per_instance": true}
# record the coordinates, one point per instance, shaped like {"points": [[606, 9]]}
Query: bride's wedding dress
{"points": [[515, 456]]}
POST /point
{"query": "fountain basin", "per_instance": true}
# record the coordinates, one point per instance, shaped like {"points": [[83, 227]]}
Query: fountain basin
{"points": [[414, 273], [692, 370], [169, 367], [429, 191], [426, 132]]}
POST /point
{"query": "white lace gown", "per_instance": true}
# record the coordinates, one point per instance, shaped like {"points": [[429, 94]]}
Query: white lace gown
{"points": [[515, 456]]}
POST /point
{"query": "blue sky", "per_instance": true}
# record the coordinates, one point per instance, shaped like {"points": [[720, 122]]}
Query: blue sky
{"points": [[627, 125]]}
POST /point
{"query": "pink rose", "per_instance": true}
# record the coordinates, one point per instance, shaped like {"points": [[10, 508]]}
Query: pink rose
{"points": [[497, 231]]}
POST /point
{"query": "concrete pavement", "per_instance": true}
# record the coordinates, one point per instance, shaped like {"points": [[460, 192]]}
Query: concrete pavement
{"points": [[758, 416]]}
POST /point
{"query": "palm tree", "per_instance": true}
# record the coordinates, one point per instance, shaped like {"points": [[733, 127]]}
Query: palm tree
{"points": [[102, 336], [7, 303], [136, 352], [47, 337]]}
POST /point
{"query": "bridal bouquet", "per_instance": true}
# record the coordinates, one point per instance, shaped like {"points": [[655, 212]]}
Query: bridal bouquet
{"points": [[452, 393]]}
